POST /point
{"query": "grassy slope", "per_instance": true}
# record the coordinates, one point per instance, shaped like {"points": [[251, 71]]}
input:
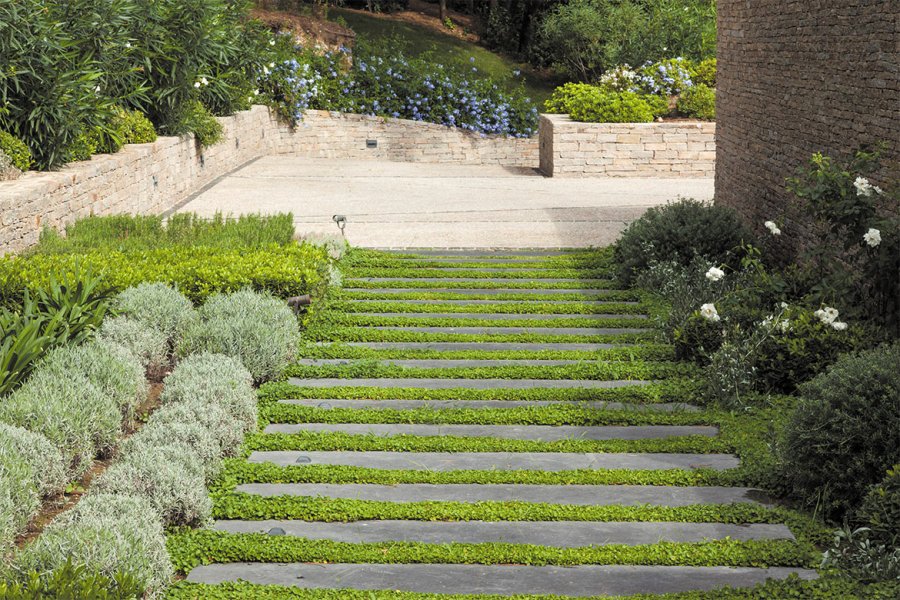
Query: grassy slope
{"points": [[420, 39]]}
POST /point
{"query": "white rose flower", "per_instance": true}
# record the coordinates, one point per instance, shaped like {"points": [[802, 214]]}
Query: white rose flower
{"points": [[877, 189], [839, 326], [772, 227], [204, 81], [783, 305], [827, 315], [709, 312], [872, 237], [715, 274], [196, 84], [863, 187], [784, 326]]}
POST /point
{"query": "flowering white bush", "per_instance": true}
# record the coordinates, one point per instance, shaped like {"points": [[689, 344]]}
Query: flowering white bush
{"points": [[715, 274], [863, 187], [772, 227], [872, 237], [709, 312], [829, 316]]}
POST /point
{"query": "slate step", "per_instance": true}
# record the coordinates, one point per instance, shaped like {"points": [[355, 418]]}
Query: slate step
{"points": [[504, 580], [469, 384], [556, 534], [475, 404], [493, 346], [418, 254], [499, 316], [492, 302], [499, 461], [519, 281], [443, 364], [452, 269], [537, 262], [545, 433], [512, 329], [572, 495], [590, 293]]}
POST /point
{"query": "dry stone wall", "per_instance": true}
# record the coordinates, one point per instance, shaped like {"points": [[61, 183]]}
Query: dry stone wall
{"points": [[670, 149], [797, 77]]}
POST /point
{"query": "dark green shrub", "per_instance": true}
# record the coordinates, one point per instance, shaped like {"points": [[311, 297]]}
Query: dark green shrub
{"points": [[844, 435], [697, 338], [135, 128], [680, 231], [198, 120], [880, 511], [624, 107], [802, 350], [698, 101], [71, 582], [583, 38], [705, 72], [16, 150]]}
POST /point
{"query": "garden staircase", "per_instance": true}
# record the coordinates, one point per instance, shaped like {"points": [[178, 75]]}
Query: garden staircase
{"points": [[491, 423]]}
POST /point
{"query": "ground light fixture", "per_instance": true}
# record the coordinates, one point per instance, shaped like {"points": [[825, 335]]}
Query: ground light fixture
{"points": [[341, 221]]}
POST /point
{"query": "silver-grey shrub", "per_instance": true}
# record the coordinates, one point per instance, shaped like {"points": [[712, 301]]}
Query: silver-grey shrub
{"points": [[254, 327], [151, 347], [171, 479], [45, 461], [69, 411], [113, 370], [159, 307], [228, 431], [19, 499], [192, 438], [107, 533], [214, 378]]}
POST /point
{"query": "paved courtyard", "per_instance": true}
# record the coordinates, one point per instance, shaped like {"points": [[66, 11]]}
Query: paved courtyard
{"points": [[393, 204]]}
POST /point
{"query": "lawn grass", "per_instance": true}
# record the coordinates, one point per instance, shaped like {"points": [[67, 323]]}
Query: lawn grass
{"points": [[419, 40]]}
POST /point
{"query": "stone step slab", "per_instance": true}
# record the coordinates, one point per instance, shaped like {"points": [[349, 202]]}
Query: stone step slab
{"points": [[451, 269], [491, 346], [420, 253], [572, 495], [442, 364], [569, 280], [498, 316], [505, 432], [556, 534], [475, 404], [504, 580], [469, 384], [499, 461], [514, 330], [501, 302], [587, 293]]}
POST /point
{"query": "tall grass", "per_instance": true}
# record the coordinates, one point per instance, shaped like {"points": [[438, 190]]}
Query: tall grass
{"points": [[136, 233]]}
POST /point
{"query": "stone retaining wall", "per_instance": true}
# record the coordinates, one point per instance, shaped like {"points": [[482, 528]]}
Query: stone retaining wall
{"points": [[670, 149], [154, 178]]}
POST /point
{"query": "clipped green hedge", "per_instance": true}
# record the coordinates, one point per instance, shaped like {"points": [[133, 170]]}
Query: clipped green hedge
{"points": [[197, 272], [16, 150]]}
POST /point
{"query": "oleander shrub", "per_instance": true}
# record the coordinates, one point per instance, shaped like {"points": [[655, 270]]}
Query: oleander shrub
{"points": [[69, 411], [108, 534], [48, 468], [680, 231], [16, 150], [214, 379], [174, 481], [187, 438], [698, 101], [256, 328], [114, 371], [72, 582], [844, 435], [196, 271], [159, 307], [149, 346], [880, 510], [227, 431]]}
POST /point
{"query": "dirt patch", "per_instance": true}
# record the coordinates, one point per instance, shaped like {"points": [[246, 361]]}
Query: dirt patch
{"points": [[309, 31], [424, 14]]}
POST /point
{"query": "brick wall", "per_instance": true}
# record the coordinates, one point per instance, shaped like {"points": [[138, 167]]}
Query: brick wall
{"points": [[153, 178], [797, 77], [672, 149]]}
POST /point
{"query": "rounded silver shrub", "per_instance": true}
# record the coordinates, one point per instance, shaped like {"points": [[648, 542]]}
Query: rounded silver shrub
{"points": [[159, 307], [149, 346], [254, 327], [48, 467], [107, 533]]}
